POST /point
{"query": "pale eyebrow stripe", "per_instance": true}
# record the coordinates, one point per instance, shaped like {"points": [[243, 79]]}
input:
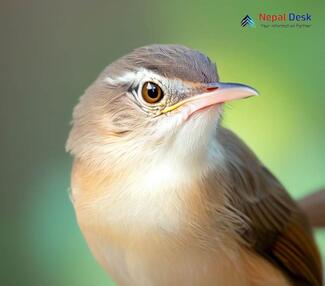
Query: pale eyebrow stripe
{"points": [[132, 76], [127, 77]]}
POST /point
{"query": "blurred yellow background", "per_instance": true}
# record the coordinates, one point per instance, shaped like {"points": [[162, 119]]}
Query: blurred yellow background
{"points": [[52, 50]]}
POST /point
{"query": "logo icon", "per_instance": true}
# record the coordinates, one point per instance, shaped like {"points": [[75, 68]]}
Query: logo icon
{"points": [[247, 21]]}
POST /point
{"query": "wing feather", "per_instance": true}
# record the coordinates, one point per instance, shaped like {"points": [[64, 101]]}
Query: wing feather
{"points": [[277, 229]]}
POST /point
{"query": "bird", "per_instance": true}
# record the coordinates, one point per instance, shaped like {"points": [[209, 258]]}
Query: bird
{"points": [[165, 195]]}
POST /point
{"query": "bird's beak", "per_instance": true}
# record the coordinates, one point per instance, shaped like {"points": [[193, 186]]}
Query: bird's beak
{"points": [[213, 94]]}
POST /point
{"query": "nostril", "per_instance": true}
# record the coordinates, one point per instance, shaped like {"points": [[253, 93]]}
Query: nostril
{"points": [[212, 88]]}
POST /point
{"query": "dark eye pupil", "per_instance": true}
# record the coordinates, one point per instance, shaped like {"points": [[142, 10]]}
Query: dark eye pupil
{"points": [[152, 91]]}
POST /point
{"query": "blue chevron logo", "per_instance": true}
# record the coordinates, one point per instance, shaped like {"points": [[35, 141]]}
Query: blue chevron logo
{"points": [[247, 21]]}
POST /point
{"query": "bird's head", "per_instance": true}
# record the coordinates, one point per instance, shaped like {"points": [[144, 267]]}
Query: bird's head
{"points": [[158, 98]]}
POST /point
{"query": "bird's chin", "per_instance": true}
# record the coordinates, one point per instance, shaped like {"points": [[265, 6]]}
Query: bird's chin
{"points": [[211, 111], [182, 127], [193, 135]]}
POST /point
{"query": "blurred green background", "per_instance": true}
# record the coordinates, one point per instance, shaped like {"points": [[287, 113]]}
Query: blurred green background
{"points": [[52, 50]]}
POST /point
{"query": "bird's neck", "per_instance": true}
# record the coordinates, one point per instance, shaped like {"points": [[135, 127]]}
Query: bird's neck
{"points": [[192, 148], [152, 176], [156, 190], [168, 177]]}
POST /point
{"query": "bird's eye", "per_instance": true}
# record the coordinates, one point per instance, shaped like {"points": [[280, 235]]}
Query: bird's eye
{"points": [[152, 92]]}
